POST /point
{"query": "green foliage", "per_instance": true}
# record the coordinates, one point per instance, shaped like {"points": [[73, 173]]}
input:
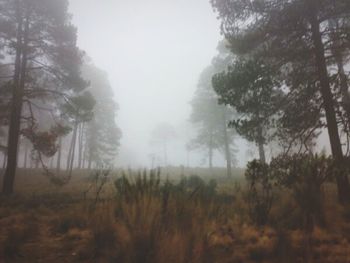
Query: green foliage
{"points": [[304, 42], [281, 35], [80, 108], [248, 86]]}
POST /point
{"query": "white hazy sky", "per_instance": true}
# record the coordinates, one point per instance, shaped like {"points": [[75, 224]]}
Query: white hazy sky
{"points": [[153, 52]]}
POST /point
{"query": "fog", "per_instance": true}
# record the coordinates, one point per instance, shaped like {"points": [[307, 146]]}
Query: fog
{"points": [[174, 131], [153, 52]]}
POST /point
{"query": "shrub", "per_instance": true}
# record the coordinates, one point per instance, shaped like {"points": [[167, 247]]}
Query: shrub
{"points": [[259, 196], [304, 174], [195, 186], [134, 186]]}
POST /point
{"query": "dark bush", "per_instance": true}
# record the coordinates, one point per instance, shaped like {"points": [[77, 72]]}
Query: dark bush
{"points": [[259, 195], [304, 175]]}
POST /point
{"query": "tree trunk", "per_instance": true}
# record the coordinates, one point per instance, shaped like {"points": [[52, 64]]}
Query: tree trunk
{"points": [[58, 164], [70, 152], [227, 147], [4, 161], [74, 141], [90, 163], [84, 157], [85, 154], [81, 145], [327, 96], [25, 155], [261, 152], [51, 162], [344, 89], [261, 145], [16, 105]]}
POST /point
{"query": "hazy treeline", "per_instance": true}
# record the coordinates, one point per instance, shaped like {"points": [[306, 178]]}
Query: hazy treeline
{"points": [[57, 108]]}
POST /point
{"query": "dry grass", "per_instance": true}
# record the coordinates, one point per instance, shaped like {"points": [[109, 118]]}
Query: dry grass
{"points": [[61, 225]]}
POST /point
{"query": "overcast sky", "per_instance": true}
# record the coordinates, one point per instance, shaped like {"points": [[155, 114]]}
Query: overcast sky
{"points": [[153, 52]]}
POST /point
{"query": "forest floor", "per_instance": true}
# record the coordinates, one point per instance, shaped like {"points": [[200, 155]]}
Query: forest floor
{"points": [[76, 223]]}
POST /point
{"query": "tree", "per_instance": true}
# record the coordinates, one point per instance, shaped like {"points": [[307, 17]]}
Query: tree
{"points": [[161, 135], [102, 135], [40, 44], [248, 86], [212, 121], [285, 32], [79, 110]]}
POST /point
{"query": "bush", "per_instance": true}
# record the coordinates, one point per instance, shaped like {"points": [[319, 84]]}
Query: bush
{"points": [[195, 186], [304, 174], [152, 214], [259, 196]]}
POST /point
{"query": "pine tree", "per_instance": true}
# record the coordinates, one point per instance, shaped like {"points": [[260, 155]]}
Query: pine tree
{"points": [[102, 135], [211, 121], [40, 43], [285, 33]]}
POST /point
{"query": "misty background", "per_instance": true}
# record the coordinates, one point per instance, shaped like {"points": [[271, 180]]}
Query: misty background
{"points": [[153, 52]]}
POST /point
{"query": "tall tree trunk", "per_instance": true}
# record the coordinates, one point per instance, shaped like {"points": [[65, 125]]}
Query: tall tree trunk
{"points": [[51, 162], [227, 146], [4, 161], [25, 155], [58, 164], [327, 96], [260, 144], [81, 145], [74, 142], [261, 152], [84, 157], [16, 105], [90, 163], [85, 154], [70, 151], [344, 88]]}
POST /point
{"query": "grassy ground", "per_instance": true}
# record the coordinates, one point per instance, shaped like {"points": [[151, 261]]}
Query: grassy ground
{"points": [[147, 222]]}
